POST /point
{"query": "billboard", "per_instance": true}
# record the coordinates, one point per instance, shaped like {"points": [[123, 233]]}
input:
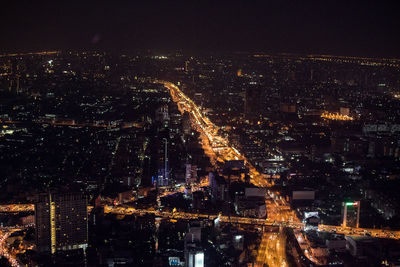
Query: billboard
{"points": [[174, 261], [195, 259], [199, 259], [303, 195], [311, 214]]}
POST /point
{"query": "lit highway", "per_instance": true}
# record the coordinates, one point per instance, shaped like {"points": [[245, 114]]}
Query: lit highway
{"points": [[4, 234], [254, 221], [215, 145], [43, 53], [272, 247], [380, 233], [15, 208], [272, 250]]}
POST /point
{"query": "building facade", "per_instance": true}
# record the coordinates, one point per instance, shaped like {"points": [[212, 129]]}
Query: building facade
{"points": [[61, 222]]}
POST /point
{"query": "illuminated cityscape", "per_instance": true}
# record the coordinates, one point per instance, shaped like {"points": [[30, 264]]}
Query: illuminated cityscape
{"points": [[200, 134]]}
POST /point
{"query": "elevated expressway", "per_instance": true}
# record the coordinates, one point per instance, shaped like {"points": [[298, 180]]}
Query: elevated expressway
{"points": [[380, 233]]}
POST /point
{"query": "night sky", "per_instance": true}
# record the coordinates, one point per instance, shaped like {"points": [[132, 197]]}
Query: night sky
{"points": [[360, 28]]}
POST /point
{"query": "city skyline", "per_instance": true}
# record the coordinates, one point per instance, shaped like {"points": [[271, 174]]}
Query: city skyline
{"points": [[200, 134]]}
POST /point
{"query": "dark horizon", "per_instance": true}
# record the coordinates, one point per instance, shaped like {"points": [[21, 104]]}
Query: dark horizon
{"points": [[187, 52], [369, 29]]}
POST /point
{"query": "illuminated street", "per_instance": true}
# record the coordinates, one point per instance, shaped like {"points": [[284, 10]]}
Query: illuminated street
{"points": [[336, 116], [215, 143], [272, 250]]}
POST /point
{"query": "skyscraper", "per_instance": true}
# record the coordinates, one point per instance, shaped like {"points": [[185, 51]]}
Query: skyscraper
{"points": [[61, 222], [351, 214]]}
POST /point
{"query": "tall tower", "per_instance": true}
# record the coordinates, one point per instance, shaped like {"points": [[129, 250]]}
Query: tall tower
{"points": [[166, 170], [61, 222], [163, 170]]}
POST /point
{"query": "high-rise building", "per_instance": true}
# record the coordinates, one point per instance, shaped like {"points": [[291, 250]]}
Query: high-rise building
{"points": [[194, 254], [162, 115], [187, 128], [147, 175], [191, 173], [61, 222], [351, 214]]}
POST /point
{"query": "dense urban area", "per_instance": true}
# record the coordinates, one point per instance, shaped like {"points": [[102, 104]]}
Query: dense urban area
{"points": [[199, 159]]}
